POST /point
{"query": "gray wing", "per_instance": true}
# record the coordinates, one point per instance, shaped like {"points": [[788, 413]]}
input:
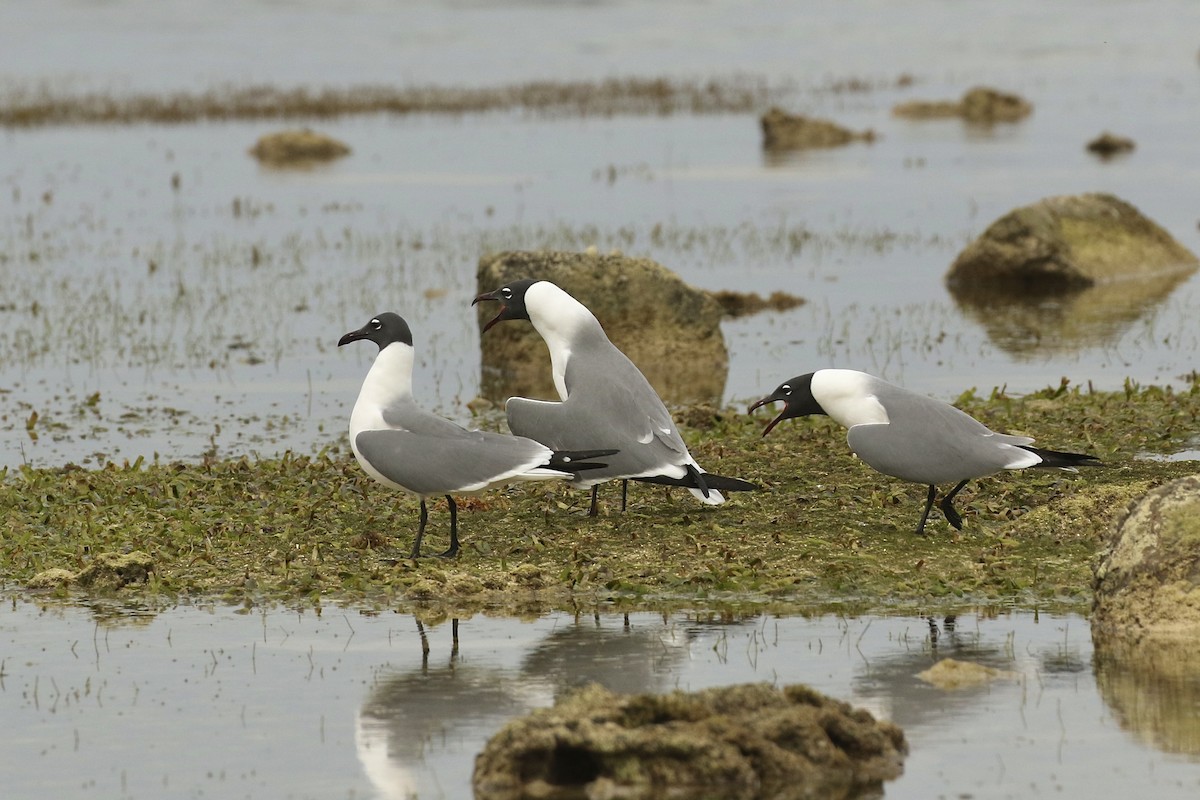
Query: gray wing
{"points": [[609, 405], [928, 441], [461, 461]]}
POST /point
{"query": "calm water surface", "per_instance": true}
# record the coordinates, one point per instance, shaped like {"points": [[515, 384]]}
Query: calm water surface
{"points": [[222, 702]]}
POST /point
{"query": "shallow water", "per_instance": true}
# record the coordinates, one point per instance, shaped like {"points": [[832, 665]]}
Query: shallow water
{"points": [[212, 701], [142, 319]]}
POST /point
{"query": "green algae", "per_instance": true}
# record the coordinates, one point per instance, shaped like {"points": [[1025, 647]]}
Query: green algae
{"points": [[825, 529]]}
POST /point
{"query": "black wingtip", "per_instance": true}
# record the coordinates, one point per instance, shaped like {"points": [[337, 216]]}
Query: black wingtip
{"points": [[579, 460], [1059, 459]]}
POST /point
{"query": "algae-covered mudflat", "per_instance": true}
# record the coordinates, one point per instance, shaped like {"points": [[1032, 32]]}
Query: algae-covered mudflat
{"points": [[823, 529]]}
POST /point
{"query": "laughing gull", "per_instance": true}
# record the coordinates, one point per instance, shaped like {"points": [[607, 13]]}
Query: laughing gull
{"points": [[605, 399], [910, 436], [405, 447]]}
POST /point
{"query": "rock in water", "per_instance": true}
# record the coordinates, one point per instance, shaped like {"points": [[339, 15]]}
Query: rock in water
{"points": [[736, 743], [670, 330], [1064, 243]]}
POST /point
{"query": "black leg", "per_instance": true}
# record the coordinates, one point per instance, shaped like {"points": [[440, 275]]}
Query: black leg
{"points": [[925, 515], [453, 641], [595, 509], [453, 551], [947, 506], [416, 551], [624, 494]]}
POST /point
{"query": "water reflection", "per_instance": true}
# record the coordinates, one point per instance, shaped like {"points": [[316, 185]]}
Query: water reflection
{"points": [[1021, 321], [1153, 688], [440, 708]]}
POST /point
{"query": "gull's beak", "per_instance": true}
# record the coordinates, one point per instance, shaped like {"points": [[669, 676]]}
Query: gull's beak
{"points": [[503, 315], [766, 401]]}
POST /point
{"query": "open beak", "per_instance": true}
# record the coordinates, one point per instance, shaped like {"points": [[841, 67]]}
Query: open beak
{"points": [[766, 401], [500, 317]]}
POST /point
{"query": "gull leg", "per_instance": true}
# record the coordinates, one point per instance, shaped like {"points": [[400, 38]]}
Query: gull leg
{"points": [[624, 494], [947, 506], [925, 515], [453, 551], [594, 510], [416, 551]]}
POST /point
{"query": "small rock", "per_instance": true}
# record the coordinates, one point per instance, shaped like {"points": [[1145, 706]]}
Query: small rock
{"points": [[743, 304], [297, 147], [783, 131], [736, 742], [952, 674], [1107, 145], [670, 330], [981, 105], [51, 579], [1067, 242], [110, 571]]}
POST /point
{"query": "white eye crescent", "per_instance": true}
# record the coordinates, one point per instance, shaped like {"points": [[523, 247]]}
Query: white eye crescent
{"points": [[507, 292], [376, 324]]}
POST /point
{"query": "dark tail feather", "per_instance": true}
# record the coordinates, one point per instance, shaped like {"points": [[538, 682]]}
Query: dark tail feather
{"points": [[577, 460], [711, 481], [1058, 459]]}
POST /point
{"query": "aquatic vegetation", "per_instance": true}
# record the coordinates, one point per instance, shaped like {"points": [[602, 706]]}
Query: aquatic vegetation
{"points": [[825, 528]]}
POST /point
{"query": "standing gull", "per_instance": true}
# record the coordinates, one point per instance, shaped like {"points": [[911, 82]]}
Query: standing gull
{"points": [[604, 399], [910, 436], [405, 447]]}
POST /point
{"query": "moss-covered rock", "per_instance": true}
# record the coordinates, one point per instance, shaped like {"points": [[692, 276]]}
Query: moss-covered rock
{"points": [[297, 147], [735, 742], [981, 105], [672, 331], [784, 131], [1067, 243], [1148, 578], [112, 571]]}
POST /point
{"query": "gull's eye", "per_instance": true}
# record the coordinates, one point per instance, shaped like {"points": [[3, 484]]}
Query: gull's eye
{"points": [[786, 389], [507, 292], [376, 324]]}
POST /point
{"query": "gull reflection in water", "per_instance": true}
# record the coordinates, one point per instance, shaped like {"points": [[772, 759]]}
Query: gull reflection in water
{"points": [[414, 720]]}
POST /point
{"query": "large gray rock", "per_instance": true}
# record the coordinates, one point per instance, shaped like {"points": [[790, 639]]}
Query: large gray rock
{"points": [[670, 330], [736, 742], [1064, 243]]}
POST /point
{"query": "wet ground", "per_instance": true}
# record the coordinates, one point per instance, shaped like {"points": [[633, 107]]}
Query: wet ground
{"points": [[224, 702]]}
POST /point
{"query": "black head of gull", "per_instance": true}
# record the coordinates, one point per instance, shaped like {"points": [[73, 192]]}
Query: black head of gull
{"points": [[383, 330], [797, 398], [511, 297]]}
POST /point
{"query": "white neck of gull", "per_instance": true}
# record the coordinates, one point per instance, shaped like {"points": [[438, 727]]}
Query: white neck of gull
{"points": [[848, 397], [388, 382], [561, 320]]}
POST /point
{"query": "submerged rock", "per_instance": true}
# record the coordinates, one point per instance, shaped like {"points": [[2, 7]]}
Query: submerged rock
{"points": [[297, 147], [950, 673], [737, 743], [743, 304], [1107, 145], [981, 105], [784, 131], [672, 331], [1064, 243]]}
